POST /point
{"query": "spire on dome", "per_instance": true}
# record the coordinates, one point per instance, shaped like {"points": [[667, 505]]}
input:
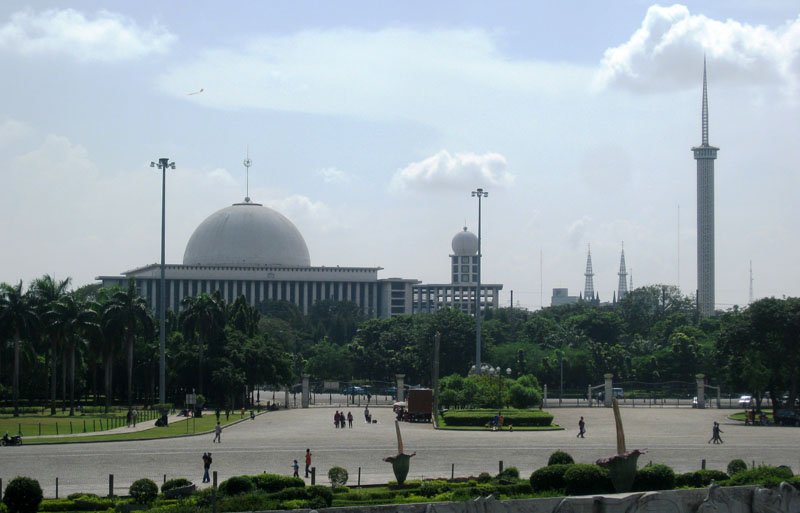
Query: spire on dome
{"points": [[705, 105], [247, 163]]}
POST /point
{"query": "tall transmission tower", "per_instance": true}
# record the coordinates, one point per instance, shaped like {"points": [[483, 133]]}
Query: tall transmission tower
{"points": [[750, 299]]}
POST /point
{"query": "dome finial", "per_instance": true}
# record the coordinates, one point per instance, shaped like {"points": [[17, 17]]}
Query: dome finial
{"points": [[247, 163]]}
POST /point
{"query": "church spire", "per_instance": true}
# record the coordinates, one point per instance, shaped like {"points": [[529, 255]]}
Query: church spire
{"points": [[588, 288], [623, 275]]}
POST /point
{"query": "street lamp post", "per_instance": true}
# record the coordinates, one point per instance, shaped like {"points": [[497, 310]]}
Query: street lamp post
{"points": [[479, 193], [163, 164]]}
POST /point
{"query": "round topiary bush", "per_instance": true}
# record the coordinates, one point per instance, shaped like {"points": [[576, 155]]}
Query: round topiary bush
{"points": [[560, 458], [143, 491], [271, 483], [764, 476], [585, 479], [338, 476], [736, 466], [509, 475], [236, 485], [179, 482], [484, 477], [550, 477], [654, 477], [23, 495]]}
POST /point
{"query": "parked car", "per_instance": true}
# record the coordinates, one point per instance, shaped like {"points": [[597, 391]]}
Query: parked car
{"points": [[787, 417], [353, 390], [745, 401]]}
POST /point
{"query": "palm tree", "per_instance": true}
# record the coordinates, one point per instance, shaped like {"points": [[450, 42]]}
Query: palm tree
{"points": [[129, 313], [78, 321], [18, 314], [202, 319], [47, 291]]}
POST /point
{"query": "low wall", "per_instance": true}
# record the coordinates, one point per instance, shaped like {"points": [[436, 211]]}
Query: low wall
{"points": [[715, 499]]}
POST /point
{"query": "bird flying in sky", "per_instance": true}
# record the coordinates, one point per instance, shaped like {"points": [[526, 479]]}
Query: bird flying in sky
{"points": [[196, 92]]}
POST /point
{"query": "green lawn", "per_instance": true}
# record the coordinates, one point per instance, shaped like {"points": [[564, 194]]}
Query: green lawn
{"points": [[30, 424], [183, 427], [743, 414]]}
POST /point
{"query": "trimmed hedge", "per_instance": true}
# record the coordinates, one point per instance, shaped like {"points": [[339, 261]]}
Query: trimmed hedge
{"points": [[143, 491], [560, 457], [178, 482], [586, 479], [766, 476], [550, 477], [271, 483], [700, 478], [236, 485], [654, 477], [479, 418]]}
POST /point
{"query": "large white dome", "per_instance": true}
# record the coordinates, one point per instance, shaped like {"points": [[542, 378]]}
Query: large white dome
{"points": [[465, 243], [247, 234]]}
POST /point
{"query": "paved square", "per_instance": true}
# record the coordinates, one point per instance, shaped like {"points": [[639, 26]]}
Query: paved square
{"points": [[675, 436]]}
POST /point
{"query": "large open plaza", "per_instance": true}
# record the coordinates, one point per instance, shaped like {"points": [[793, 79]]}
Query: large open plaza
{"points": [[675, 436]]}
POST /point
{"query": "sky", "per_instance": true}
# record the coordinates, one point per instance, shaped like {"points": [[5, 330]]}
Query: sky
{"points": [[369, 123]]}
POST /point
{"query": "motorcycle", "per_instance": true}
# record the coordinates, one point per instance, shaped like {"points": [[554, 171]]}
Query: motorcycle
{"points": [[11, 440]]}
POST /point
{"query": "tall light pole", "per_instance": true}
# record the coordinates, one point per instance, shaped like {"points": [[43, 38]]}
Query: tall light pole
{"points": [[163, 164], [479, 193]]}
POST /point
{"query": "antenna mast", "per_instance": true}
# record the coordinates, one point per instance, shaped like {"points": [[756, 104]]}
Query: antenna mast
{"points": [[247, 163], [751, 282]]}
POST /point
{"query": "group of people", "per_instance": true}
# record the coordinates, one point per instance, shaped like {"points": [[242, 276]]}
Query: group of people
{"points": [[750, 418], [339, 419]]}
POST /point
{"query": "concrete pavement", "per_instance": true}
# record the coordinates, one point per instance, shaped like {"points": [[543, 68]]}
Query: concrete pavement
{"points": [[675, 436]]}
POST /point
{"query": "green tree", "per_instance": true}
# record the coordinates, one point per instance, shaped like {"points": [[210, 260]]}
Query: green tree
{"points": [[78, 321], [19, 316], [203, 321], [130, 313], [47, 291]]}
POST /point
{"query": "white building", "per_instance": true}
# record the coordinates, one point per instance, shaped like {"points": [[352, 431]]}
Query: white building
{"points": [[250, 250]]}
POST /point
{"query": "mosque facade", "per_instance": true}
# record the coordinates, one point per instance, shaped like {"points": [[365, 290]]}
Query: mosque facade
{"points": [[251, 250]]}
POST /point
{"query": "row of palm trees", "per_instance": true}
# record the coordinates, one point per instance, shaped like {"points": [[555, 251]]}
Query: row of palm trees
{"points": [[49, 315]]}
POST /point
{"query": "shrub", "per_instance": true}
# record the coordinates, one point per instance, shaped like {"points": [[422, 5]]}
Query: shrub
{"points": [[765, 476], [23, 495], [431, 488], [585, 479], [143, 491], [322, 494], [271, 483], [736, 466], [484, 477], [699, 478], [560, 458], [520, 396], [83, 495], [550, 477], [179, 482], [654, 477], [509, 475], [247, 502], [338, 476], [236, 485], [481, 418]]}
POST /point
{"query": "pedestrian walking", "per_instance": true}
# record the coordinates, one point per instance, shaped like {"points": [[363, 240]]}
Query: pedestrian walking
{"points": [[336, 419], [715, 432], [350, 419], [134, 416], [217, 433], [129, 417], [296, 469], [581, 428], [206, 466], [308, 461]]}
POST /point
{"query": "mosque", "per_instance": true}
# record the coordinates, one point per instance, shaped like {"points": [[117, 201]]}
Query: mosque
{"points": [[251, 250]]}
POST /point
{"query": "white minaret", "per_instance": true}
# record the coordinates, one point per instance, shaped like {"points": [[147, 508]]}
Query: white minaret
{"points": [[705, 156], [622, 287], [588, 287]]}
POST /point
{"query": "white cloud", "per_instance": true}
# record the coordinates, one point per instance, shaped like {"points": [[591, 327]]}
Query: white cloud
{"points": [[660, 54], [333, 175], [393, 73], [13, 131], [106, 37], [446, 171], [576, 232]]}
